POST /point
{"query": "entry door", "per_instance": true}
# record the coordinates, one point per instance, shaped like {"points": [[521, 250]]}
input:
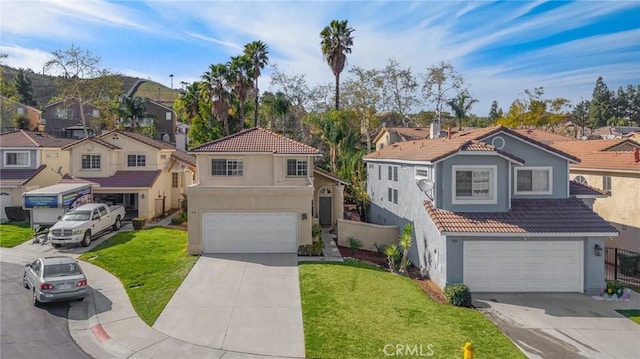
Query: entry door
{"points": [[325, 211]]}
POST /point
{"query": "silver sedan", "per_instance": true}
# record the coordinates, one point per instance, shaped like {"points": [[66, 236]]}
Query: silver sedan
{"points": [[55, 279]]}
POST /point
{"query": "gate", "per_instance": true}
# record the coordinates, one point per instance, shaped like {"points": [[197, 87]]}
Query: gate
{"points": [[622, 265]]}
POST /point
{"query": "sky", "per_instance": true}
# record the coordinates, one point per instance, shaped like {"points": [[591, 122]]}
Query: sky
{"points": [[500, 48]]}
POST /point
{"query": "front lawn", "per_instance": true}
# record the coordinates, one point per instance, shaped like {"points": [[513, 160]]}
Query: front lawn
{"points": [[12, 234], [633, 314], [150, 263], [355, 310]]}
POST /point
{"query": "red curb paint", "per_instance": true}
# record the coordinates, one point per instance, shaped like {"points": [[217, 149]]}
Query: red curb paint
{"points": [[100, 334]]}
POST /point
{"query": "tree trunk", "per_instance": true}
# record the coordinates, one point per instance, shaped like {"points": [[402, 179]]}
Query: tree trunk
{"points": [[241, 124], [255, 121], [338, 91]]}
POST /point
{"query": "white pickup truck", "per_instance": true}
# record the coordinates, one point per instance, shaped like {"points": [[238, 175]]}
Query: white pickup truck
{"points": [[84, 223]]}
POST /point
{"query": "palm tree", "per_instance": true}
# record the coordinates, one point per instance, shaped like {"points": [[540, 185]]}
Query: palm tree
{"points": [[460, 106], [241, 75], [189, 101], [278, 106], [336, 44], [257, 52], [130, 110], [216, 88]]}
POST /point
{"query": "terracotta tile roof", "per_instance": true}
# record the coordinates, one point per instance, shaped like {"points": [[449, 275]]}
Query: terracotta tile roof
{"points": [[543, 136], [92, 140], [410, 133], [131, 179], [23, 138], [582, 190], [533, 216], [596, 154], [257, 140], [160, 145], [184, 157], [18, 177]]}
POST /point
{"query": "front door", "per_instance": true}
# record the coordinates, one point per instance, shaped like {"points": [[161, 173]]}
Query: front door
{"points": [[325, 211]]}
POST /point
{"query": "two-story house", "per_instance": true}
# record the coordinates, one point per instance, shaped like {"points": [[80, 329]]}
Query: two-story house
{"points": [[148, 177], [258, 192], [389, 135], [614, 166], [63, 118], [11, 110], [29, 160], [491, 208], [164, 118]]}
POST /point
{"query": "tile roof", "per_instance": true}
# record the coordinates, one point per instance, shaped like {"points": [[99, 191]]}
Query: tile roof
{"points": [[527, 216], [410, 133], [543, 136], [160, 145], [257, 140], [582, 190], [93, 140], [595, 154], [18, 177], [23, 138], [131, 179], [184, 157]]}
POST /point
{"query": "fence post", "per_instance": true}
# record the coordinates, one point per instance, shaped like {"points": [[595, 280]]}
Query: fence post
{"points": [[615, 268]]}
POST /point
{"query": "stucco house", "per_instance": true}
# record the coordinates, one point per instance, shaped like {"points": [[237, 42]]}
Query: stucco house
{"points": [[144, 175], [389, 135], [613, 166], [491, 208], [10, 110], [258, 192], [29, 160], [63, 118]]}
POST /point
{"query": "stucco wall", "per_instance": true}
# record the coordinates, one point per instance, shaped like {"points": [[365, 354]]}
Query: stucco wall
{"points": [[367, 233]]}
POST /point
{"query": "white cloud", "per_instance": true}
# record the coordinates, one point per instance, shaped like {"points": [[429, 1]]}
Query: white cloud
{"points": [[20, 57]]}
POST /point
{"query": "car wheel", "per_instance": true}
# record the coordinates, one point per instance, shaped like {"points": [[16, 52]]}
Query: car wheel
{"points": [[117, 224], [24, 281], [86, 241], [54, 245], [34, 298]]}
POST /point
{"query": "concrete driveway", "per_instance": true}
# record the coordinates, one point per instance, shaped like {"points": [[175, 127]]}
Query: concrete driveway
{"points": [[564, 325], [248, 303]]}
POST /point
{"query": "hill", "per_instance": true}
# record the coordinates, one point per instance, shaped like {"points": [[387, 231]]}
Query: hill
{"points": [[44, 88]]}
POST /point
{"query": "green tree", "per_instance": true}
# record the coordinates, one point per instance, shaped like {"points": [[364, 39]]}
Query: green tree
{"points": [[24, 88], [187, 104], [217, 89], [440, 84], [336, 42], [241, 82], [600, 107], [460, 106], [398, 90], [581, 116], [130, 113], [277, 107], [81, 80], [258, 53], [633, 96], [495, 112], [406, 238]]}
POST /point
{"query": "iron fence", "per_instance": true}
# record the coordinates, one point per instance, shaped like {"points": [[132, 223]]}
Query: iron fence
{"points": [[622, 265]]}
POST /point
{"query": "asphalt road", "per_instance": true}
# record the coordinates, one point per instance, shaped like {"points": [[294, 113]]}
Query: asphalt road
{"points": [[32, 332]]}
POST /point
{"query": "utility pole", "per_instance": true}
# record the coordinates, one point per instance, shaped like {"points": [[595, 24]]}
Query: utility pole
{"points": [[171, 77]]}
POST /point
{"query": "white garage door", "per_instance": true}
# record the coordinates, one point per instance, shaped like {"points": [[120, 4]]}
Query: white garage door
{"points": [[266, 232], [523, 266]]}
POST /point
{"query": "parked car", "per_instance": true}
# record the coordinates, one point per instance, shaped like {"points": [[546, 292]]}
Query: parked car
{"points": [[54, 279], [85, 223]]}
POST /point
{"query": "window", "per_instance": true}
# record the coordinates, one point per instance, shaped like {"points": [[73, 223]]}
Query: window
{"points": [[174, 180], [167, 116], [224, 167], [474, 185], [64, 113], [392, 195], [90, 162], [20, 110], [95, 113], [136, 160], [393, 173], [606, 184], [581, 180], [296, 168], [103, 211], [17, 159], [533, 180]]}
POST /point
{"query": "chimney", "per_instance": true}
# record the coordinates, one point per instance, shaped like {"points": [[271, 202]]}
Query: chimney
{"points": [[636, 155], [449, 133], [434, 130]]}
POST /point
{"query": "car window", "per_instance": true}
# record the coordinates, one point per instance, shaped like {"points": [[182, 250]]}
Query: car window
{"points": [[76, 216], [35, 266], [60, 270], [103, 211], [95, 215]]}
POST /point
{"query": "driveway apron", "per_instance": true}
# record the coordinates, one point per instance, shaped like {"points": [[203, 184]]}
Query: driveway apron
{"points": [[248, 303], [563, 325]]}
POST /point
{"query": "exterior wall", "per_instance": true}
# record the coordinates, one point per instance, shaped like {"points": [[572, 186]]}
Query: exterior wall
{"points": [[534, 156], [368, 234], [33, 163], [247, 199], [55, 159], [107, 160], [55, 125], [337, 196], [621, 209], [163, 125]]}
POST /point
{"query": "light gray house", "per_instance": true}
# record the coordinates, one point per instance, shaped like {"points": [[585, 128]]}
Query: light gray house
{"points": [[491, 208]]}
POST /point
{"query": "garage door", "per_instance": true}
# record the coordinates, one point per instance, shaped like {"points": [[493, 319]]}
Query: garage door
{"points": [[266, 232], [523, 266]]}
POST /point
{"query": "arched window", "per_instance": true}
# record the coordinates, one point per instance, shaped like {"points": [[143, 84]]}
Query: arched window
{"points": [[581, 180]]}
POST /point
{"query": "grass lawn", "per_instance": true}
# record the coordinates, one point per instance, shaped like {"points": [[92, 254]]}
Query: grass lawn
{"points": [[355, 310], [150, 263], [15, 233], [633, 314]]}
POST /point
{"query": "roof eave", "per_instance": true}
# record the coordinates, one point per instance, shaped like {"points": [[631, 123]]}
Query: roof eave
{"points": [[532, 235]]}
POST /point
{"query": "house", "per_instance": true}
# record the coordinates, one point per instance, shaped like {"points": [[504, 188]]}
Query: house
{"points": [[165, 119], [11, 110], [257, 191], [63, 118], [610, 132], [30, 160], [390, 135], [612, 165], [491, 208], [148, 177]]}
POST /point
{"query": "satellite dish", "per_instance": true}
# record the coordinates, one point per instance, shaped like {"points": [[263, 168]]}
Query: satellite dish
{"points": [[425, 185]]}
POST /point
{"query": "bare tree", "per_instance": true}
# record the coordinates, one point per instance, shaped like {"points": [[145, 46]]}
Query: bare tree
{"points": [[362, 93], [399, 90], [441, 84]]}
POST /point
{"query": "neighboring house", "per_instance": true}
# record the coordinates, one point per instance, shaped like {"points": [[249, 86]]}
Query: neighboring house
{"points": [[63, 119], [258, 192], [11, 110], [611, 132], [182, 136], [612, 165], [165, 119], [491, 208], [146, 176], [28, 161], [542, 136], [390, 135]]}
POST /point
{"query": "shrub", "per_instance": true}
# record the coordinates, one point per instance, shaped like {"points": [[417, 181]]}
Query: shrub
{"points": [[613, 286], [16, 214], [308, 250], [184, 215], [393, 255], [380, 248], [177, 220], [458, 294], [405, 244], [138, 223], [354, 244], [316, 231]]}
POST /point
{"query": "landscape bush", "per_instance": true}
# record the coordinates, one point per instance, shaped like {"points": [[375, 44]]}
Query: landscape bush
{"points": [[138, 223], [458, 294], [311, 250], [354, 244]]}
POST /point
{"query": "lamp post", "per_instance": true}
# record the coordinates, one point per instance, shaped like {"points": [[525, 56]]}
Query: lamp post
{"points": [[171, 77]]}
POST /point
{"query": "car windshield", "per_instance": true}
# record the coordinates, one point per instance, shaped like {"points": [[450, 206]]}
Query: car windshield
{"points": [[61, 270], [77, 216]]}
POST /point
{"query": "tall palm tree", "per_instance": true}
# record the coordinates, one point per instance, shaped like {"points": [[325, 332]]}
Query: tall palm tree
{"points": [[257, 52], [217, 89], [336, 42], [130, 111], [189, 101], [460, 106], [241, 75]]}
